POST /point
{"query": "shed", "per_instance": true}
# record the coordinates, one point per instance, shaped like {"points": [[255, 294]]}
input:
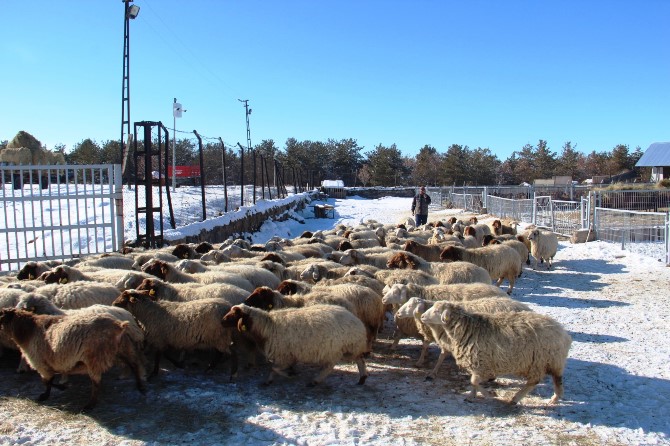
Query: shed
{"points": [[334, 188], [657, 156]]}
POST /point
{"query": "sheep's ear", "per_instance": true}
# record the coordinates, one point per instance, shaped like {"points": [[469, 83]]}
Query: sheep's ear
{"points": [[270, 307], [63, 280], [132, 299], [30, 277], [240, 325], [152, 292], [445, 316]]}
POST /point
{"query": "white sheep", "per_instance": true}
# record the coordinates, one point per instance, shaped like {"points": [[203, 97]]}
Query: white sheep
{"points": [[79, 294], [66, 274], [72, 344], [500, 261], [424, 310], [543, 246], [322, 335], [391, 276], [527, 344], [160, 290], [189, 325], [169, 273], [400, 293], [445, 273]]}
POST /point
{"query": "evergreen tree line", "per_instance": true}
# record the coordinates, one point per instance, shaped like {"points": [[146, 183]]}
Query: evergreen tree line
{"points": [[314, 161]]}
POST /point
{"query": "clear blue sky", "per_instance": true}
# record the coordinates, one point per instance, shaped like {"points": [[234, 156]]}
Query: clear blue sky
{"points": [[478, 73]]}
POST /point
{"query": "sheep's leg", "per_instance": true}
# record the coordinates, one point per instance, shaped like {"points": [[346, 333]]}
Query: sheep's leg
{"points": [[558, 389], [48, 382], [23, 365], [530, 385], [95, 390], [327, 369], [433, 373], [475, 380], [511, 280], [362, 371], [397, 335], [157, 360], [422, 358]]}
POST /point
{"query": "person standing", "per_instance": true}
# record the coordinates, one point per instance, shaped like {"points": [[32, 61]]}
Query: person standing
{"points": [[420, 204]]}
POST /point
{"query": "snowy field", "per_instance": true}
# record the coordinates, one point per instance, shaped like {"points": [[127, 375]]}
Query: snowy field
{"points": [[615, 304]]}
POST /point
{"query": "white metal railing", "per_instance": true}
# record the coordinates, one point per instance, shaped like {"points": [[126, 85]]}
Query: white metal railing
{"points": [[59, 212], [642, 232]]}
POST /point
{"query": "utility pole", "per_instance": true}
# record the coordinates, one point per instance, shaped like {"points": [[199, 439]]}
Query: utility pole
{"points": [[176, 113], [247, 112], [130, 12]]}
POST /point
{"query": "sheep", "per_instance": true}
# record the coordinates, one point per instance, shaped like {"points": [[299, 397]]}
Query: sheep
{"points": [[289, 287], [32, 269], [366, 281], [520, 248], [391, 276], [319, 334], [543, 246], [185, 251], [255, 274], [107, 261], [160, 290], [143, 257], [73, 344], [180, 325], [169, 273], [478, 231], [499, 228], [526, 344], [428, 252], [400, 293], [9, 297], [423, 312], [377, 259], [215, 255], [268, 299], [316, 271], [131, 280], [445, 273], [66, 274], [79, 294], [501, 262]]}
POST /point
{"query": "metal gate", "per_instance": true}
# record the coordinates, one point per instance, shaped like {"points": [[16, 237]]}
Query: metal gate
{"points": [[59, 212]]}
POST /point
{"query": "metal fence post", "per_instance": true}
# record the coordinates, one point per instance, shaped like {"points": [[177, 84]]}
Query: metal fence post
{"points": [[533, 218], [118, 241]]}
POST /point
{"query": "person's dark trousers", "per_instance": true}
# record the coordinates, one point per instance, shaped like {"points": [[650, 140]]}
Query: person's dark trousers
{"points": [[421, 219]]}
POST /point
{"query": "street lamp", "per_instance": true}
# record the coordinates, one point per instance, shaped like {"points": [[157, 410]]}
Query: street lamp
{"points": [[176, 113], [130, 12]]}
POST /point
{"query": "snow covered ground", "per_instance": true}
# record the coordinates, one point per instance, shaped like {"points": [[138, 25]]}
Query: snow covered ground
{"points": [[615, 304]]}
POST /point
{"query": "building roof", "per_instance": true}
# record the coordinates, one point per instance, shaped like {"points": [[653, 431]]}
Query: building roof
{"points": [[658, 154], [332, 183]]}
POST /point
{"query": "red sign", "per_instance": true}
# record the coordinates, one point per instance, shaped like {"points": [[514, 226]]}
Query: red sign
{"points": [[185, 171]]}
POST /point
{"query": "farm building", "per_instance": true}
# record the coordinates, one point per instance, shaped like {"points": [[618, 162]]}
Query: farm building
{"points": [[334, 188], [657, 156]]}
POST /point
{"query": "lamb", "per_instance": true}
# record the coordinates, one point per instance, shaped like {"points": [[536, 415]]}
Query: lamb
{"points": [[424, 310], [526, 344], [501, 262], [84, 343], [319, 334], [445, 273], [160, 290], [543, 246], [520, 248], [180, 325], [400, 293]]}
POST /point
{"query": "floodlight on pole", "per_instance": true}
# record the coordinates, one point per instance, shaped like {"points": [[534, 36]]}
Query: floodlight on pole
{"points": [[129, 12], [177, 111]]}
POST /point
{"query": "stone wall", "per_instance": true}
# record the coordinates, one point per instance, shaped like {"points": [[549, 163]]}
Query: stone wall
{"points": [[379, 192]]}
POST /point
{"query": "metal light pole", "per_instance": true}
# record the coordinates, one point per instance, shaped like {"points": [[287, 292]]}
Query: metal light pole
{"points": [[247, 112], [176, 113], [130, 12]]}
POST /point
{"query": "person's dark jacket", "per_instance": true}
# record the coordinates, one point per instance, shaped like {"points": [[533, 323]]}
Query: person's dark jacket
{"points": [[420, 204]]}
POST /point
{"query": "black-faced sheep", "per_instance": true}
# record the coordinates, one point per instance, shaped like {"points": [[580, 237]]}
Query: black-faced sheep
{"points": [[180, 325], [543, 246], [322, 335], [78, 344], [32, 269], [499, 228], [526, 344], [500, 261]]}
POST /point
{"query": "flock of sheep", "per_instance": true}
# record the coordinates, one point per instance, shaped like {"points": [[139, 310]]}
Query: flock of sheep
{"points": [[318, 299]]}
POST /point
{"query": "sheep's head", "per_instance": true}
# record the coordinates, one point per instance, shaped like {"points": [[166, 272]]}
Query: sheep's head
{"points": [[412, 308], [129, 298], [452, 220], [287, 287], [30, 302], [203, 247], [311, 273], [451, 254], [150, 286], [306, 234], [29, 271], [156, 268], [60, 274], [450, 310], [433, 315], [534, 234], [470, 230], [7, 315], [473, 220], [393, 294], [237, 316], [273, 257], [182, 251], [345, 245], [401, 260], [487, 240], [262, 297], [496, 226]]}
